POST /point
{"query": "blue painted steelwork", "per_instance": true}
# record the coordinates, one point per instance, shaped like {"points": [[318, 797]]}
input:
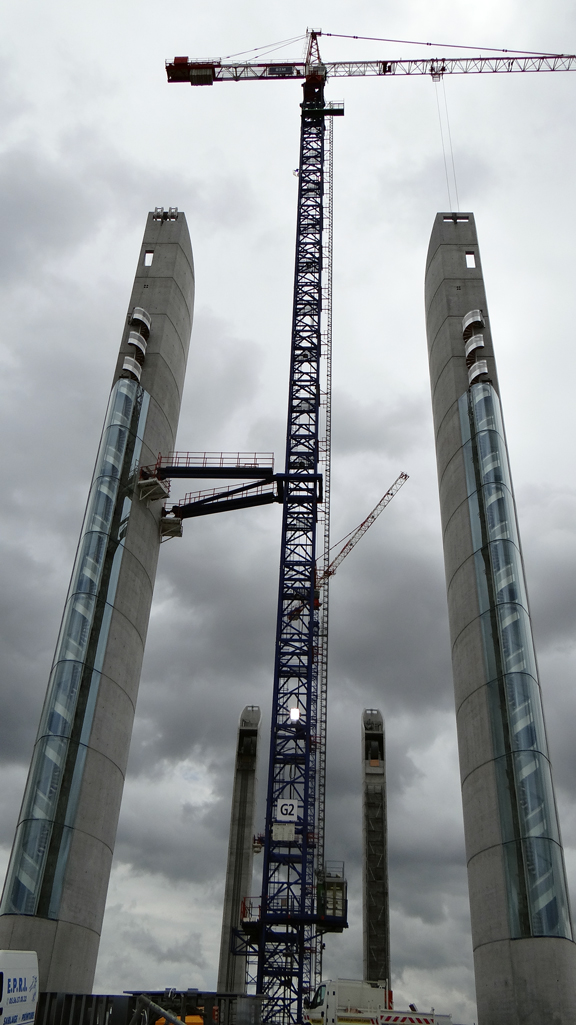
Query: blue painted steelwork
{"points": [[287, 932], [297, 902]]}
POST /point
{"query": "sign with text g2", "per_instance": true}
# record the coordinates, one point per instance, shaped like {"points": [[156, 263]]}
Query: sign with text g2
{"points": [[287, 810]]}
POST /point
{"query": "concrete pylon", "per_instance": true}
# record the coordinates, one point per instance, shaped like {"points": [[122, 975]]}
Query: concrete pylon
{"points": [[375, 850], [232, 967], [524, 956], [55, 890]]}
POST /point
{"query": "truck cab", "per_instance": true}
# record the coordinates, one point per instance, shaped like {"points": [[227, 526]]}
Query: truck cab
{"points": [[353, 1002]]}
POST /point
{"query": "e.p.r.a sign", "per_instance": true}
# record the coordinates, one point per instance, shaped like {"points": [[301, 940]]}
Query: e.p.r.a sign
{"points": [[18, 986]]}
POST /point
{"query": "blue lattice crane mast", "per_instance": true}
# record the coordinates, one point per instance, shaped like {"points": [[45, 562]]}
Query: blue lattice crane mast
{"points": [[297, 903], [289, 912]]}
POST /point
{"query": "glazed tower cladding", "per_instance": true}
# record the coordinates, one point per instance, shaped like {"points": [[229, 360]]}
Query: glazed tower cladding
{"points": [[525, 960], [55, 890]]}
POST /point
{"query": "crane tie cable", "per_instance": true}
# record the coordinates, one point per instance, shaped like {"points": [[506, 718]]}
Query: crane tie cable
{"points": [[451, 46], [268, 47]]}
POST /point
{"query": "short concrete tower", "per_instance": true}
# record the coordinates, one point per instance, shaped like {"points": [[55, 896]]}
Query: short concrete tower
{"points": [[524, 956], [55, 890], [375, 850], [232, 967]]}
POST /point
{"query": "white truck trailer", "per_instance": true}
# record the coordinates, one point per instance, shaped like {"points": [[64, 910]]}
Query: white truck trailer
{"points": [[350, 1002]]}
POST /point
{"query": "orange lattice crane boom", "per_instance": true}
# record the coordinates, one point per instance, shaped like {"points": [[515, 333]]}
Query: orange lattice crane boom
{"points": [[361, 530], [354, 538]]}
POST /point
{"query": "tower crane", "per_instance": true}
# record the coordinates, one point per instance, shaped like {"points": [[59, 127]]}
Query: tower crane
{"points": [[361, 529], [353, 538], [291, 921]]}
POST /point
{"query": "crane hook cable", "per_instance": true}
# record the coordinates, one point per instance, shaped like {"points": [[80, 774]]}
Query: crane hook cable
{"points": [[450, 207], [450, 141], [451, 46]]}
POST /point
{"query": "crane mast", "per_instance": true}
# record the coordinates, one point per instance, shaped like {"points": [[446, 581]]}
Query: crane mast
{"points": [[289, 914]]}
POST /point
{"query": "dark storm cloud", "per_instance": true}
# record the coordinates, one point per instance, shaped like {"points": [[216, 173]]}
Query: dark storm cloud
{"points": [[26, 642], [142, 954], [551, 560], [384, 601], [188, 846], [224, 376], [13, 780], [196, 681], [413, 936], [441, 879]]}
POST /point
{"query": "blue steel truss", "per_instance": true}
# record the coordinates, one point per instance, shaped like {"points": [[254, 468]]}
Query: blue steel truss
{"points": [[285, 931], [289, 916]]}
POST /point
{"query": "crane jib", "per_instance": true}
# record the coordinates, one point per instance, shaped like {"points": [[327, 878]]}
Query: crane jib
{"points": [[183, 69]]}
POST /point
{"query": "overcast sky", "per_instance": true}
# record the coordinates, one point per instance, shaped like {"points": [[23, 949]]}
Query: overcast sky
{"points": [[92, 138]]}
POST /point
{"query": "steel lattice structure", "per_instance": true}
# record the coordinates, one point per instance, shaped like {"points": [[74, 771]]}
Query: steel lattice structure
{"points": [[181, 69], [321, 606], [288, 918]]}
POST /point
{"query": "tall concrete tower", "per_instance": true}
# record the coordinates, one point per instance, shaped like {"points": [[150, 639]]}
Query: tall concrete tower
{"points": [[375, 853], [524, 957], [55, 889], [232, 967]]}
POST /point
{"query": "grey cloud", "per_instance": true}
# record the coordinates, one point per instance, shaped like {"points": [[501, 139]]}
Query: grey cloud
{"points": [[184, 844], [48, 212], [77, 185], [26, 642], [141, 956], [395, 428], [373, 630], [224, 377], [188, 953], [427, 886]]}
